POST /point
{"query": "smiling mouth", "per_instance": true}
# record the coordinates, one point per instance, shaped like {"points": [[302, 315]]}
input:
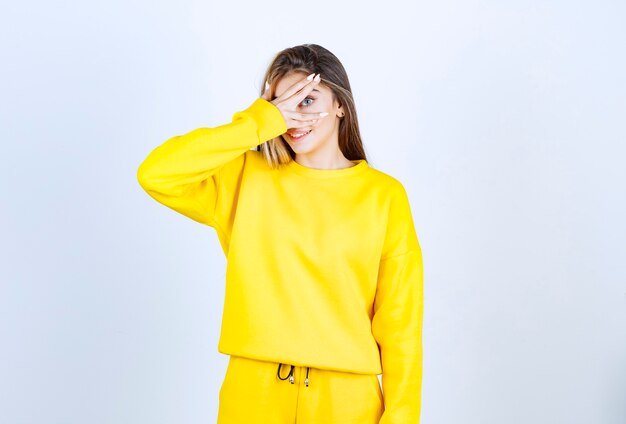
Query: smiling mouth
{"points": [[298, 135]]}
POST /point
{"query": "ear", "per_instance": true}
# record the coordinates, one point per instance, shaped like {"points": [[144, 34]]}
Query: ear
{"points": [[340, 111]]}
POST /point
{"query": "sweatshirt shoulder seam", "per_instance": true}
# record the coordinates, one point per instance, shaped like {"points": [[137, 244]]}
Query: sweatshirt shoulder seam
{"points": [[399, 254]]}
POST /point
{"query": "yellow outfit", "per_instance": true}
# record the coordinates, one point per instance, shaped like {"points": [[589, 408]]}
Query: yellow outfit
{"points": [[324, 268]]}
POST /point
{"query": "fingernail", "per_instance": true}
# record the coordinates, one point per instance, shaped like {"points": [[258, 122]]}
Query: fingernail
{"points": [[323, 113], [310, 77], [318, 77]]}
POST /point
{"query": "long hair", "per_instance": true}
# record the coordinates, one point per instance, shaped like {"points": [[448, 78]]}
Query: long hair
{"points": [[310, 58]]}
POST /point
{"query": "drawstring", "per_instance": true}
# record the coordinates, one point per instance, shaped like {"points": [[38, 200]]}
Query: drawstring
{"points": [[290, 375]]}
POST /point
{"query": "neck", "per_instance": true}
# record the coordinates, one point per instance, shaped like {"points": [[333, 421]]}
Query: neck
{"points": [[337, 161]]}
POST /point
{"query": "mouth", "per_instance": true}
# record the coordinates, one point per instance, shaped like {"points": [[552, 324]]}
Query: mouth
{"points": [[298, 135]]}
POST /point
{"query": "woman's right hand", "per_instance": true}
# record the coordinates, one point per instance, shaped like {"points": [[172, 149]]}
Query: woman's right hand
{"points": [[288, 102]]}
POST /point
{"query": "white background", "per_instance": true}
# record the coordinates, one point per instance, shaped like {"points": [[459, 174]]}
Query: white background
{"points": [[505, 121]]}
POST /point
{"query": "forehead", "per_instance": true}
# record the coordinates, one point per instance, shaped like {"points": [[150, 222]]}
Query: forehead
{"points": [[290, 79]]}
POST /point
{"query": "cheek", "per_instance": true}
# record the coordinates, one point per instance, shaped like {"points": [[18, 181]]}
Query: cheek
{"points": [[327, 123], [322, 128]]}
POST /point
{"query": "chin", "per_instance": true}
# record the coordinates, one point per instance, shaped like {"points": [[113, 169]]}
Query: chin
{"points": [[300, 149]]}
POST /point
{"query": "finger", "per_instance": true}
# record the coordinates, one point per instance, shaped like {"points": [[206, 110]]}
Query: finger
{"points": [[308, 116], [301, 124], [299, 120], [297, 87], [304, 119], [304, 91]]}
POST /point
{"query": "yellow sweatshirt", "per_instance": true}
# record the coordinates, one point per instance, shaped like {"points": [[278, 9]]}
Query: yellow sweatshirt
{"points": [[324, 268]]}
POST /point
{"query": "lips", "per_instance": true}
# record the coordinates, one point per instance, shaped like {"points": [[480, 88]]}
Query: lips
{"points": [[298, 135]]}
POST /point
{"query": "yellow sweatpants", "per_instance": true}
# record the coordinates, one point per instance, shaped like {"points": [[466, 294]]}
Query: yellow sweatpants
{"points": [[263, 392]]}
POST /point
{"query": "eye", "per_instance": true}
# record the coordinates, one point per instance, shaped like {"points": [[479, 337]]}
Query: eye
{"points": [[308, 98]]}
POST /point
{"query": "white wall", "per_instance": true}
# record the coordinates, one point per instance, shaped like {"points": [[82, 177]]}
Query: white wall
{"points": [[504, 120]]}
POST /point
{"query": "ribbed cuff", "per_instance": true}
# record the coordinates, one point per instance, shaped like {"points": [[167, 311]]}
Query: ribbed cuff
{"points": [[269, 119]]}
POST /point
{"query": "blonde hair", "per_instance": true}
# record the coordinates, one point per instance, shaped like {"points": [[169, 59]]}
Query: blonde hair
{"points": [[310, 58]]}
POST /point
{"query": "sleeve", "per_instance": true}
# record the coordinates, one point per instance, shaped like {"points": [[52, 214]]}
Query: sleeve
{"points": [[196, 174], [398, 316]]}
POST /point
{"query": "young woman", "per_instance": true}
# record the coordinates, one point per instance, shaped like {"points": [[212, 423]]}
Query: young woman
{"points": [[324, 278]]}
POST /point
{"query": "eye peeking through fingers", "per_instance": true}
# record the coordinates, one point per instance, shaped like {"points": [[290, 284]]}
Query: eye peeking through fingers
{"points": [[308, 104]]}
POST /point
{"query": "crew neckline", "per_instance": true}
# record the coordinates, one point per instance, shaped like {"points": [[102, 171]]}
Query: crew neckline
{"points": [[360, 165]]}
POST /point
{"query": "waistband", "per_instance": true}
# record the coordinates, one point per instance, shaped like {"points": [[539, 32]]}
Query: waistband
{"points": [[290, 375]]}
